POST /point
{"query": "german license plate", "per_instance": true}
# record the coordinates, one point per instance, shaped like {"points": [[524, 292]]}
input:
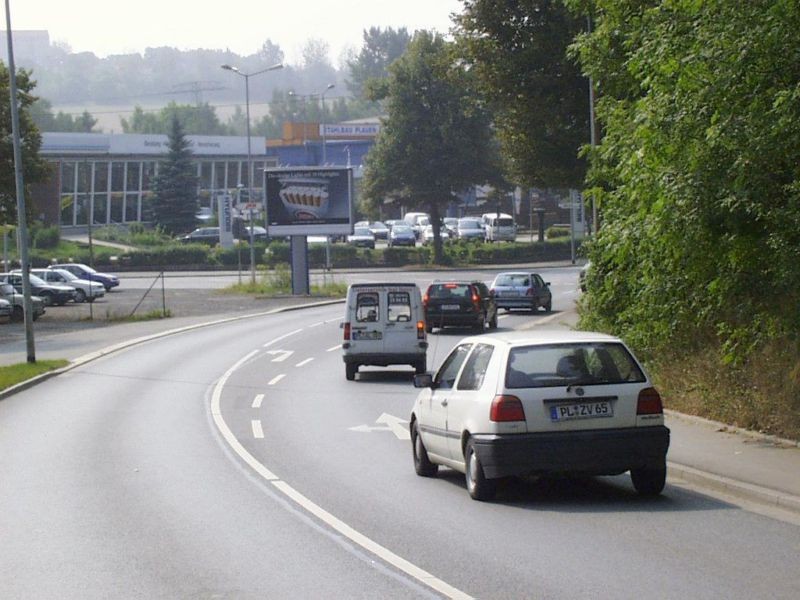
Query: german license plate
{"points": [[581, 410], [367, 335], [511, 293], [451, 306]]}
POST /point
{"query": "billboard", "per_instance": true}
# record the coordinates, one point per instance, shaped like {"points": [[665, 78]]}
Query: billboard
{"points": [[309, 200]]}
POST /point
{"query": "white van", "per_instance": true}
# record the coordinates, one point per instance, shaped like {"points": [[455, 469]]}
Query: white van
{"points": [[417, 221], [499, 227], [384, 324]]}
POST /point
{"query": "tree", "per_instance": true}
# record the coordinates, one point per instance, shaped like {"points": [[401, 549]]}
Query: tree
{"points": [[517, 50], [34, 168], [175, 199], [381, 48], [195, 120], [436, 140]]}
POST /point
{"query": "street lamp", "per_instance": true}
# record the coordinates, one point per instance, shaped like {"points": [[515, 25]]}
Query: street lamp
{"points": [[322, 95], [247, 77]]}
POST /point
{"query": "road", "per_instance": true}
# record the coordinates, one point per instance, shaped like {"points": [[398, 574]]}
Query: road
{"points": [[237, 462]]}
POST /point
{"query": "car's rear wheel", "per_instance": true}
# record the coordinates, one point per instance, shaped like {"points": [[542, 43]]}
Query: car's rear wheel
{"points": [[422, 464], [350, 370], [493, 321], [47, 298], [649, 481], [80, 296], [549, 306], [478, 486], [18, 314], [481, 324]]}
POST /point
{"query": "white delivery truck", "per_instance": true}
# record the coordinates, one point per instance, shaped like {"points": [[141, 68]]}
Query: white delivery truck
{"points": [[384, 324]]}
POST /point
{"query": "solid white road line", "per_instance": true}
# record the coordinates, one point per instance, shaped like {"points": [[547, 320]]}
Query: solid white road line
{"points": [[258, 432], [304, 362], [276, 379], [357, 538], [278, 339], [258, 400], [316, 324]]}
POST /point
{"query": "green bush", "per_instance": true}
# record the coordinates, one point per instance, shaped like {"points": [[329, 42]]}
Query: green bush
{"points": [[185, 254], [556, 232], [230, 257], [45, 237]]}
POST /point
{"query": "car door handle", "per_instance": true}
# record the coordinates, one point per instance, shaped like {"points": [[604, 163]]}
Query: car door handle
{"points": [[444, 402]]}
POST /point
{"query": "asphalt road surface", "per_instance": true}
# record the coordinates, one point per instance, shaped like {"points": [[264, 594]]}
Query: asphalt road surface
{"points": [[237, 462]]}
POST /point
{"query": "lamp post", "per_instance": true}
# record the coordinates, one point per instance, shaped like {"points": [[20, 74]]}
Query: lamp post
{"points": [[322, 96], [247, 77]]}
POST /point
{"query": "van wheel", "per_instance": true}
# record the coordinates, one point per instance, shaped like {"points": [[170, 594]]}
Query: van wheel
{"points": [[350, 370], [420, 366]]}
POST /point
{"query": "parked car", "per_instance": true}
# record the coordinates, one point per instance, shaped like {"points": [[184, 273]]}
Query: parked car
{"points": [[451, 225], [362, 238], [522, 289], [427, 235], [6, 311], [402, 235], [201, 235], [392, 222], [85, 290], [459, 304], [417, 221], [551, 403], [379, 230], [499, 227], [470, 229], [259, 234], [17, 301], [50, 293], [383, 325], [83, 271]]}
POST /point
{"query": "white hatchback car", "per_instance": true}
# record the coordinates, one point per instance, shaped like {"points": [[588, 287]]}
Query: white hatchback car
{"points": [[557, 402]]}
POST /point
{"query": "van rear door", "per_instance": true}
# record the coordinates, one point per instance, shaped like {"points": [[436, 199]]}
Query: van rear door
{"points": [[403, 310], [366, 331]]}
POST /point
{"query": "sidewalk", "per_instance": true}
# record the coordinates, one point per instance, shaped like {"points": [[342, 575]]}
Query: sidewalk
{"points": [[710, 455]]}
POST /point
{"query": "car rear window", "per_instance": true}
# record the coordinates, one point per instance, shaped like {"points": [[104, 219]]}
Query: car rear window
{"points": [[513, 279], [450, 290], [556, 365]]}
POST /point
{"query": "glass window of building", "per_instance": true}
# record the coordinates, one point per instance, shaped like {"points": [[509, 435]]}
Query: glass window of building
{"points": [[117, 214], [132, 180], [131, 207], [117, 176], [219, 175], [100, 176]]}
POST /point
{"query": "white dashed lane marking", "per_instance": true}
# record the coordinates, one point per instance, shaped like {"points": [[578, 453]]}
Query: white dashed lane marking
{"points": [[276, 379], [258, 432], [304, 362], [258, 400]]}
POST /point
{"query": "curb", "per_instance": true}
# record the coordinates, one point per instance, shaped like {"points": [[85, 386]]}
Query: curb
{"points": [[733, 429], [82, 360], [736, 488]]}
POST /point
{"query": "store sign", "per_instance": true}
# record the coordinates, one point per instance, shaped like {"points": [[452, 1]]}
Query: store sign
{"points": [[350, 131], [225, 216]]}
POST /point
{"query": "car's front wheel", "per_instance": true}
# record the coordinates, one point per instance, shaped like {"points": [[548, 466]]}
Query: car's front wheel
{"points": [[649, 481], [80, 296], [47, 298], [422, 464], [478, 486]]}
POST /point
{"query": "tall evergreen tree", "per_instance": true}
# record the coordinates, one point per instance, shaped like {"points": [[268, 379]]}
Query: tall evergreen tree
{"points": [[175, 202]]}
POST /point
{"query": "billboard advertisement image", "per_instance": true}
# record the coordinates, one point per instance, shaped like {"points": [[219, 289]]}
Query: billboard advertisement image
{"points": [[308, 201]]}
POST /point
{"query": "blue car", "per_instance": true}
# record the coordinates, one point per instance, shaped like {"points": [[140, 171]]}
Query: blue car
{"points": [[86, 272], [402, 235]]}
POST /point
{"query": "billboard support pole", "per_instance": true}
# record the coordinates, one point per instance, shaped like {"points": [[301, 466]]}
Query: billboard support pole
{"points": [[299, 249]]}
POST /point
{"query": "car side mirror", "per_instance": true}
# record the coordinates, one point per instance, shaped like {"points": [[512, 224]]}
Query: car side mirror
{"points": [[423, 380], [547, 283]]}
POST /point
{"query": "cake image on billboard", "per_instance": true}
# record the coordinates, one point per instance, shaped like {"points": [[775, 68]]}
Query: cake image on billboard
{"points": [[306, 199]]}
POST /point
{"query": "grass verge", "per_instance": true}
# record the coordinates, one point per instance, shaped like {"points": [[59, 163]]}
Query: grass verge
{"points": [[14, 374]]}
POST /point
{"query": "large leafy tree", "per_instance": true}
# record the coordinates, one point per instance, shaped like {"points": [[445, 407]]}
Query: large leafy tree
{"points": [[517, 50], [195, 120], [436, 139], [698, 172], [175, 200], [380, 49], [34, 168]]}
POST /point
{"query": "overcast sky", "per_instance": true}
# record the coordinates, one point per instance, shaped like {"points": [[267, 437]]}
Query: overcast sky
{"points": [[112, 26]]}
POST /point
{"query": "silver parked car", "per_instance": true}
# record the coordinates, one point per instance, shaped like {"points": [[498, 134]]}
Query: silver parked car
{"points": [[85, 290], [522, 289]]}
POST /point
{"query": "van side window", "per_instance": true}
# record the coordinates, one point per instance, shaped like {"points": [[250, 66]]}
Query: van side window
{"points": [[475, 370], [399, 307], [367, 307]]}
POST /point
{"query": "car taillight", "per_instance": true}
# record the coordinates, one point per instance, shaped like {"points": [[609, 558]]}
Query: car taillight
{"points": [[347, 331], [425, 299], [506, 408], [420, 330], [649, 402]]}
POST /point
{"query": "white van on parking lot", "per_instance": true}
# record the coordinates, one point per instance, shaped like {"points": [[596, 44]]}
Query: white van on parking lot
{"points": [[384, 324], [499, 227]]}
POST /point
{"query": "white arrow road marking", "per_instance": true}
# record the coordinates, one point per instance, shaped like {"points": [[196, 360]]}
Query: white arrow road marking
{"points": [[396, 424], [304, 362], [258, 432], [276, 379], [280, 355], [386, 423], [258, 400]]}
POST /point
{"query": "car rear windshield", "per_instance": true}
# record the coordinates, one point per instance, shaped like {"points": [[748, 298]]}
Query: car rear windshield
{"points": [[513, 279], [557, 365], [450, 290]]}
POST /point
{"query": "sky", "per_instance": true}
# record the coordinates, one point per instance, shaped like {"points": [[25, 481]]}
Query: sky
{"points": [[113, 27]]}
